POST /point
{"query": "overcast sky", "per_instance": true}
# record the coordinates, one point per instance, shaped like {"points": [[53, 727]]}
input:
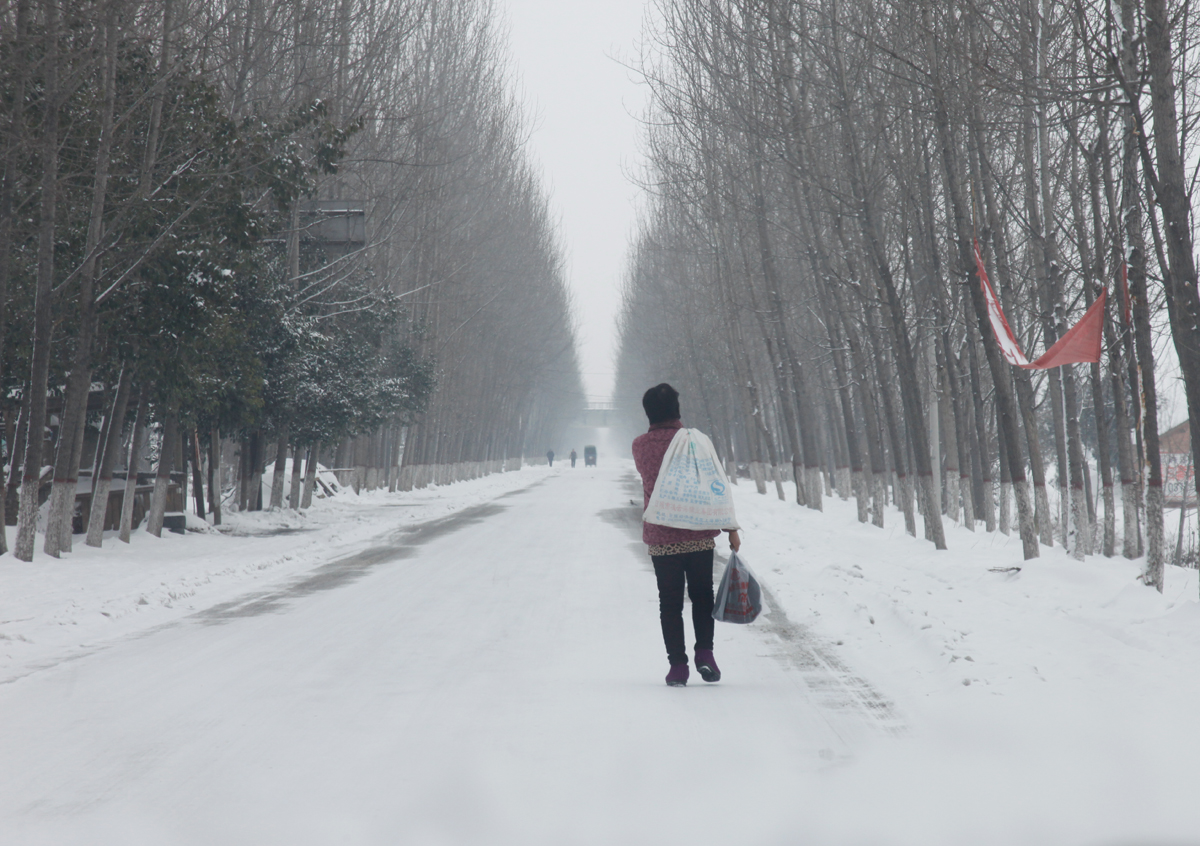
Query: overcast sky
{"points": [[585, 106]]}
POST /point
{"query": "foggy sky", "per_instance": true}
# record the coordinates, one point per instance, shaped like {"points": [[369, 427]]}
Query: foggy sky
{"points": [[585, 107]]}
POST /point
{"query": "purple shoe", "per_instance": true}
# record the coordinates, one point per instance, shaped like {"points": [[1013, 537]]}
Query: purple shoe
{"points": [[706, 666], [678, 676]]}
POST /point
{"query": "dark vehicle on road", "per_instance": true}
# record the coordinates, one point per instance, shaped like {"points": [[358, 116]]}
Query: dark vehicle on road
{"points": [[589, 456]]}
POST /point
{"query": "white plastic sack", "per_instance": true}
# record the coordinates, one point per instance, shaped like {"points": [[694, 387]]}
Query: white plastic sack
{"points": [[692, 490]]}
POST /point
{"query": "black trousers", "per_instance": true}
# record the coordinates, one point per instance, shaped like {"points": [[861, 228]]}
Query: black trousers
{"points": [[696, 568]]}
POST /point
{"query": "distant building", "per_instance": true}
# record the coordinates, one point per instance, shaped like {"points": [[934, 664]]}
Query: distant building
{"points": [[339, 226]]}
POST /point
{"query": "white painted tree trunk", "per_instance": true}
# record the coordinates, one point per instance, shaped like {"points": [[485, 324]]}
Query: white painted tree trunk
{"points": [[1025, 513], [879, 498], [1129, 515], [760, 481], [158, 506], [1110, 522], [59, 497], [904, 490], [1153, 574], [934, 530], [859, 483], [136, 446], [98, 511], [278, 472], [814, 481], [968, 502], [59, 531], [1045, 527], [1081, 525], [162, 477], [310, 475], [294, 487], [952, 496], [1064, 514]]}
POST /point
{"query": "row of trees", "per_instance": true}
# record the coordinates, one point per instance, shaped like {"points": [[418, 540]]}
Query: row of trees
{"points": [[303, 228], [822, 172]]}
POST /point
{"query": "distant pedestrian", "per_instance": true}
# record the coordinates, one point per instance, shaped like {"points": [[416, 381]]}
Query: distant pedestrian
{"points": [[679, 555], [550, 457], [573, 457]]}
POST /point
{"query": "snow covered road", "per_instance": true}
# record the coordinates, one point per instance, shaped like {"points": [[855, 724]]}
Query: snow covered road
{"points": [[490, 677], [493, 674]]}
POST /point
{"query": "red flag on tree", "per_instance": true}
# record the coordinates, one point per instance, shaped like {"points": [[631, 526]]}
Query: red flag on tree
{"points": [[1081, 343]]}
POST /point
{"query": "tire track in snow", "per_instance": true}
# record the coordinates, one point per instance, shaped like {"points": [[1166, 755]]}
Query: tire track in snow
{"points": [[351, 568], [846, 700], [400, 544], [397, 544], [835, 688]]}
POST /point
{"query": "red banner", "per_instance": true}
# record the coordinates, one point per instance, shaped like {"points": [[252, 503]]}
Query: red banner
{"points": [[1080, 344]]}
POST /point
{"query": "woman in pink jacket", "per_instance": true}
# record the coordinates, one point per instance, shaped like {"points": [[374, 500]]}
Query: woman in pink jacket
{"points": [[680, 555]]}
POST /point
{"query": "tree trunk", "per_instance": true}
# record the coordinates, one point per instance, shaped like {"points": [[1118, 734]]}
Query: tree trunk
{"points": [[1183, 300], [70, 447], [197, 473], [102, 475], [946, 408], [982, 449], [294, 490], [870, 420], [243, 471], [310, 474], [884, 378], [1079, 510], [281, 451], [18, 446], [1005, 479], [1103, 439], [39, 370], [216, 483], [66, 461], [167, 454], [258, 458], [15, 139], [137, 444]]}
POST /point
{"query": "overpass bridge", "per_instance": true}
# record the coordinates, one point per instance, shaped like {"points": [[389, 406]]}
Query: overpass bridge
{"points": [[599, 414]]}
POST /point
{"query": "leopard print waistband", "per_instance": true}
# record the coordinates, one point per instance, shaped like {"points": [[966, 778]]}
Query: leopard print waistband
{"points": [[683, 547]]}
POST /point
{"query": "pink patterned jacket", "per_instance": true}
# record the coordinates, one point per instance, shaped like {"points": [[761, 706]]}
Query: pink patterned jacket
{"points": [[648, 452]]}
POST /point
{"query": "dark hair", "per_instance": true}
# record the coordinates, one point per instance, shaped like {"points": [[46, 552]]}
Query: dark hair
{"points": [[661, 403]]}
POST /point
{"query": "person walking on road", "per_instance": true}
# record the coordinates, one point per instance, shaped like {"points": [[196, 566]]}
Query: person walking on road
{"points": [[550, 457], [573, 457], [680, 556]]}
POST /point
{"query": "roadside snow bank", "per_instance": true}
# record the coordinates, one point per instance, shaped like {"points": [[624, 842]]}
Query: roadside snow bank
{"points": [[52, 608], [1053, 697]]}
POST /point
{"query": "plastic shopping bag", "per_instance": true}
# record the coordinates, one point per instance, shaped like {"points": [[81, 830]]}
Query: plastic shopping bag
{"points": [[692, 490], [739, 598]]}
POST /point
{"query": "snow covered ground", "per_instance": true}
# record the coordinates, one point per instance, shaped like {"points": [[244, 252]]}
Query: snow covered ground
{"points": [[481, 664], [54, 608], [1051, 705]]}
